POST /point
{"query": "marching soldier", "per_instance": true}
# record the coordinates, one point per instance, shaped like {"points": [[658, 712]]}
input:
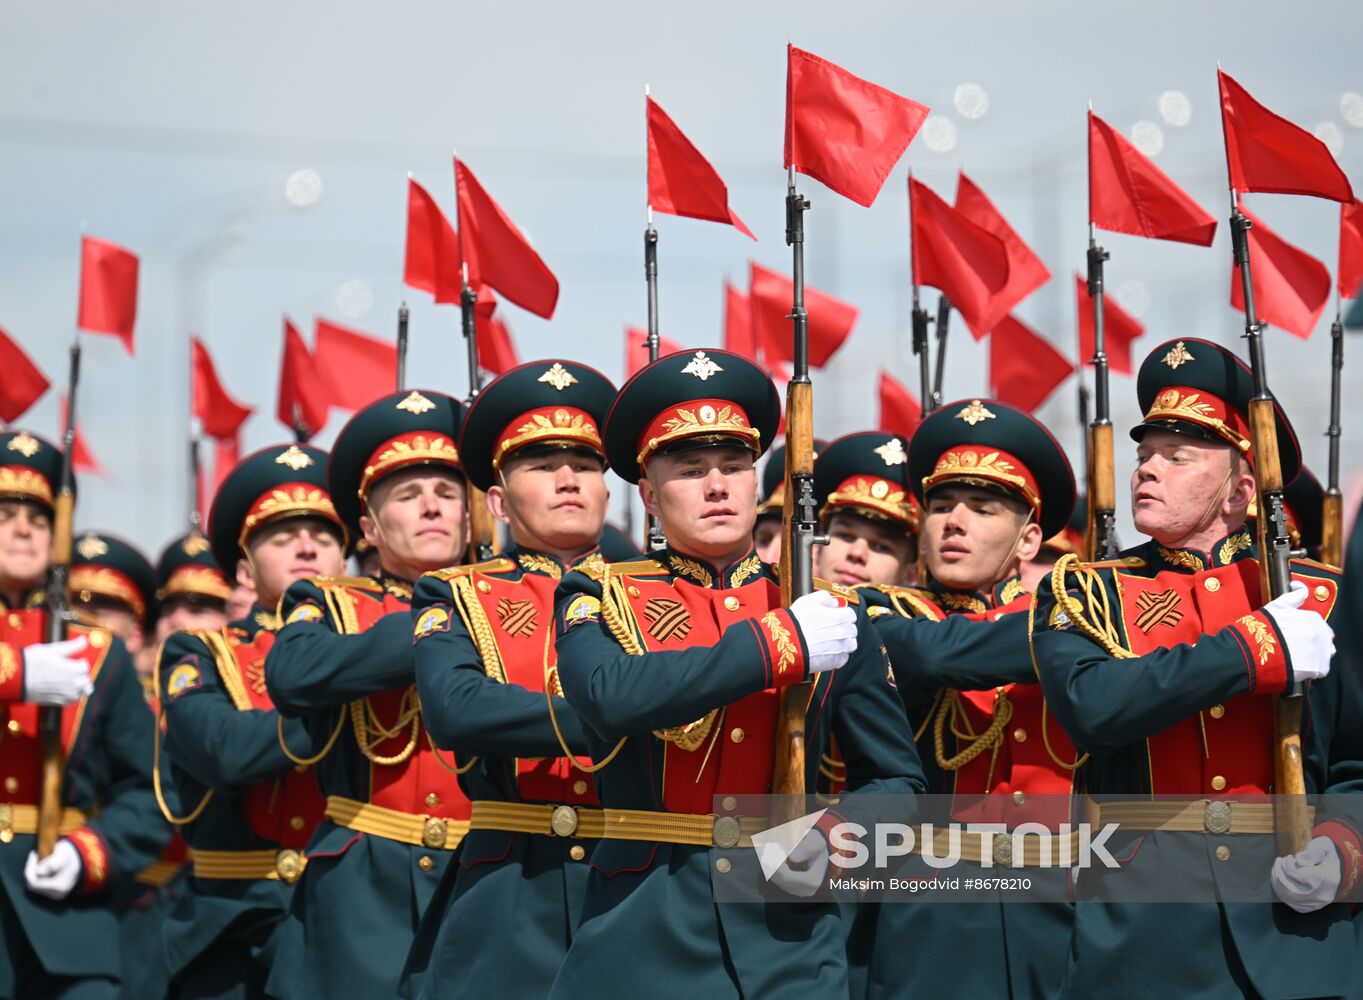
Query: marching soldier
{"points": [[116, 585], [60, 928], [246, 809], [1164, 665], [870, 519], [192, 590], [344, 663], [532, 442], [675, 665], [993, 483]]}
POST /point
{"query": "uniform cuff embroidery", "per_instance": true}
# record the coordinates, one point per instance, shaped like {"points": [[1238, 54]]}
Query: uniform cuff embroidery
{"points": [[784, 652], [93, 856], [1350, 847], [1265, 653], [11, 673]]}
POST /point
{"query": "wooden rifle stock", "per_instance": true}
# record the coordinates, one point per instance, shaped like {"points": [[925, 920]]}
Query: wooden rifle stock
{"points": [[50, 716], [1332, 529], [1102, 492]]}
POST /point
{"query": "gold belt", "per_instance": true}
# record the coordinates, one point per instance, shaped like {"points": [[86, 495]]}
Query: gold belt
{"points": [[434, 832], [1001, 848], [546, 820], [18, 818], [286, 864], [158, 873], [1202, 816], [701, 830]]}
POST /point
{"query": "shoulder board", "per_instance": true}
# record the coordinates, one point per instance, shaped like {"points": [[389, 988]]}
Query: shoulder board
{"points": [[635, 567], [1320, 567], [347, 583], [838, 590], [1121, 562], [498, 565], [894, 590]]}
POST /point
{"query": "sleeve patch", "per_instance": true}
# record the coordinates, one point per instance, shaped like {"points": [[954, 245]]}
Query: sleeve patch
{"points": [[1058, 620], [877, 610], [434, 619], [184, 677], [304, 613], [581, 609]]}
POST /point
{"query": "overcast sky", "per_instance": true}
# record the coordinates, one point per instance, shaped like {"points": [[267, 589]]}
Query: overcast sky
{"points": [[175, 128]]}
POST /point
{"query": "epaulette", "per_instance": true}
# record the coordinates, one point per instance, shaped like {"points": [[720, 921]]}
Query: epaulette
{"points": [[635, 567], [346, 583], [498, 564], [1120, 562], [838, 590]]}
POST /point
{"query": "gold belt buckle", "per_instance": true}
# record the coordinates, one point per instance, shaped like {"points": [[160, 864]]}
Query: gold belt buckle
{"points": [[288, 865], [1217, 817], [433, 834], [1003, 849], [726, 831], [563, 821], [6, 823]]}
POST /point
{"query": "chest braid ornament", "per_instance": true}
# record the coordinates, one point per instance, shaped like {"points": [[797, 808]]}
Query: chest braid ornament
{"points": [[953, 711]]}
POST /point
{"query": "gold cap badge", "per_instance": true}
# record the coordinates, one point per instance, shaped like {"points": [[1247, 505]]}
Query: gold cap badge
{"points": [[892, 451], [295, 458], [559, 377], [701, 367], [416, 404], [91, 546], [25, 444], [1178, 355], [975, 413]]}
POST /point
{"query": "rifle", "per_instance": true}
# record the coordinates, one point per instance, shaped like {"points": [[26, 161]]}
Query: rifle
{"points": [[943, 320], [480, 518], [1332, 508], [1101, 531], [1291, 822], [402, 345], [58, 620], [798, 518], [655, 539]]}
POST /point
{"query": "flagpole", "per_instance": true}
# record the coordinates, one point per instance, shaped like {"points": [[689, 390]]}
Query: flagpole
{"points": [[1332, 510], [920, 322], [943, 321], [403, 315]]}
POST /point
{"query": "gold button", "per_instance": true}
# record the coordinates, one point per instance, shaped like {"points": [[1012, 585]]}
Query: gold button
{"points": [[577, 852], [1212, 584], [15, 621], [1020, 735], [731, 603], [11, 785], [301, 768], [579, 787], [1216, 711], [484, 586], [426, 863], [723, 865], [432, 799], [737, 735], [1019, 798], [1218, 783], [632, 590], [297, 822], [729, 803], [1321, 593], [98, 640], [13, 727], [1223, 853]]}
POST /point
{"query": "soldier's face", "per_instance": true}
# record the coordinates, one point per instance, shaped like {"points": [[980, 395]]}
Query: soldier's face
{"points": [[973, 538], [554, 502], [861, 551], [766, 539], [1184, 487], [706, 500], [417, 521], [292, 550], [25, 544]]}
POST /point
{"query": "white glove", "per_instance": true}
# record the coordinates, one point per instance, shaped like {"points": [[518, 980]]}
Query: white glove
{"points": [[53, 675], [1309, 879], [55, 875], [802, 873], [1310, 642], [830, 631]]}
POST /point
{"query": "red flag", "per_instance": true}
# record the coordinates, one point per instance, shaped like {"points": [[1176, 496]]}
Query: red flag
{"points": [[1120, 328], [1129, 194], [900, 411], [220, 414], [21, 383], [680, 180], [496, 352], [636, 349], [1024, 369], [108, 289], [302, 395], [82, 458], [1026, 272], [355, 368], [1350, 249], [739, 335], [964, 260], [497, 253], [1265, 152], [842, 130], [830, 319], [1290, 286], [432, 259]]}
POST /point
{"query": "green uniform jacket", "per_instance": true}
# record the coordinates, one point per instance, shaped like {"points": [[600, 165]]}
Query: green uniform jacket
{"points": [[694, 697], [1161, 667]]}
